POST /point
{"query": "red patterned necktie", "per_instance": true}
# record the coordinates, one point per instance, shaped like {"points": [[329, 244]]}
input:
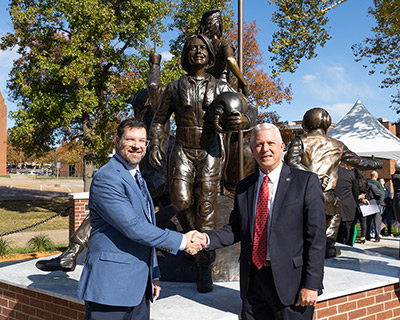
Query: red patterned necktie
{"points": [[260, 233]]}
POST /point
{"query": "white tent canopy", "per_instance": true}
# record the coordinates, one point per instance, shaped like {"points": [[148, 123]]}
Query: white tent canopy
{"points": [[365, 135]]}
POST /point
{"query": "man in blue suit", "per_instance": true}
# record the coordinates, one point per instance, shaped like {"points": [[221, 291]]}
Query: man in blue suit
{"points": [[120, 275], [279, 219]]}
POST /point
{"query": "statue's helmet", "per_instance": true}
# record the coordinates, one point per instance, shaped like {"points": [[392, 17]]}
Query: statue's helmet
{"points": [[224, 105], [316, 118], [186, 47], [397, 165]]}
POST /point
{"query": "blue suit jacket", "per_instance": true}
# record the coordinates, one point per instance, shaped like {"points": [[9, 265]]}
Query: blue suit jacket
{"points": [[121, 257], [297, 235]]}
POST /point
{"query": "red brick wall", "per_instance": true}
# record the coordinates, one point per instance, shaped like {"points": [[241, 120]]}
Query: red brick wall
{"points": [[376, 304], [17, 303], [77, 214]]}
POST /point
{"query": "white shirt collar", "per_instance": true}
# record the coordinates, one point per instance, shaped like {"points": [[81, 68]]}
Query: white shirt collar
{"points": [[273, 175]]}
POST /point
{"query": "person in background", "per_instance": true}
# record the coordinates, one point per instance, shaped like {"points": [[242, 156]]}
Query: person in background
{"points": [[347, 190], [363, 188], [375, 192], [387, 208]]}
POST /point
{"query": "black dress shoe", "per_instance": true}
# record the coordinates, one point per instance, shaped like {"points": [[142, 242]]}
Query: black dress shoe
{"points": [[204, 280]]}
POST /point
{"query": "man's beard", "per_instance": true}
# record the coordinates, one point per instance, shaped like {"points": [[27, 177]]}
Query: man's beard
{"points": [[133, 159]]}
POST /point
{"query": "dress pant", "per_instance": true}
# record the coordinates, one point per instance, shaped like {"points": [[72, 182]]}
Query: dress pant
{"points": [[262, 301], [346, 232], [377, 219], [96, 311]]}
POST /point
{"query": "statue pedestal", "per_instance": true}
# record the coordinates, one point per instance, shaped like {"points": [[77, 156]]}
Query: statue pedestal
{"points": [[182, 267]]}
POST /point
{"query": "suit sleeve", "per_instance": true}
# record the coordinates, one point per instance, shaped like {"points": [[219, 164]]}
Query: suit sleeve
{"points": [[314, 234], [230, 233], [109, 201]]}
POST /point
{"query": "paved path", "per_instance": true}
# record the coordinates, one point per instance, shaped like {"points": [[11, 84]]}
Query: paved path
{"points": [[23, 187], [20, 239]]}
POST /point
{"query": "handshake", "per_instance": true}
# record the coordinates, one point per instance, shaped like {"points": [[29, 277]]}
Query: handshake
{"points": [[195, 242]]}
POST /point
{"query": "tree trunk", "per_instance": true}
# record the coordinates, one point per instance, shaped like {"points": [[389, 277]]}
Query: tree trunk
{"points": [[88, 155], [87, 171]]}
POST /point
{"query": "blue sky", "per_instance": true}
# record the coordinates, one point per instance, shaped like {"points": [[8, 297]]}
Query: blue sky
{"points": [[333, 80]]}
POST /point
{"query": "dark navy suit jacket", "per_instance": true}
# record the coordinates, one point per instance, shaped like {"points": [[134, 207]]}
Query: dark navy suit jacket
{"points": [[297, 235]]}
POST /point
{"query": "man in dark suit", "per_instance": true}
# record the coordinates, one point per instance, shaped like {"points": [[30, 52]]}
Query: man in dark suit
{"points": [[282, 260], [120, 275], [347, 191]]}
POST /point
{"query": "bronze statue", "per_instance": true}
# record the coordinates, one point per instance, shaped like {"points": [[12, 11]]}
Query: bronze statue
{"points": [[211, 25], [197, 157], [319, 153]]}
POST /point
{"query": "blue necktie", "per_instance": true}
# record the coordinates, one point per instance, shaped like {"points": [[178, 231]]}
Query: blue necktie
{"points": [[142, 186]]}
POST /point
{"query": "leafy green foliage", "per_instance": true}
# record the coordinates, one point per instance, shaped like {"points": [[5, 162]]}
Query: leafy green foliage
{"points": [[382, 51], [301, 29], [80, 61]]}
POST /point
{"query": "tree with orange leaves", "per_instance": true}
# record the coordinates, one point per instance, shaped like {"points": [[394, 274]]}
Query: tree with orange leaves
{"points": [[264, 90]]}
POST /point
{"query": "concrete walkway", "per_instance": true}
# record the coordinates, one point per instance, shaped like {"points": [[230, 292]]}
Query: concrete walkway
{"points": [[356, 270]]}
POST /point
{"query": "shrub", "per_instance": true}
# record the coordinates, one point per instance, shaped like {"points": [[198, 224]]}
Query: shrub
{"points": [[4, 247], [41, 242]]}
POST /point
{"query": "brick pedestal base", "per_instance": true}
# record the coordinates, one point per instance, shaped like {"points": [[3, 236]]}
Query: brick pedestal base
{"points": [[78, 210]]}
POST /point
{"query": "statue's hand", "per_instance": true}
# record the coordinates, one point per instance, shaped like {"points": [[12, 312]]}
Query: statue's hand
{"points": [[324, 179], [378, 163], [237, 121], [245, 89], [155, 157]]}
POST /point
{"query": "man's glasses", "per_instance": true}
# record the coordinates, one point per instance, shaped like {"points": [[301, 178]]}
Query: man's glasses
{"points": [[138, 142]]}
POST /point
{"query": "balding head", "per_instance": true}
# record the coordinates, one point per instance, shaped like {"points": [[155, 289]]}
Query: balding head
{"points": [[374, 175]]}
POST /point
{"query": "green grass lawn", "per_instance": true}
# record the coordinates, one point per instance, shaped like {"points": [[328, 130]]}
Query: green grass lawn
{"points": [[17, 214]]}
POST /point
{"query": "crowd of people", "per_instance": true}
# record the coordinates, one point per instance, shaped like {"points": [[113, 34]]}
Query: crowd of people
{"points": [[369, 202]]}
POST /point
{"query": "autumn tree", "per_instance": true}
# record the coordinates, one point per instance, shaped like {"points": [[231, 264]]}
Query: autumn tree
{"points": [[14, 156], [79, 61], [264, 90], [302, 27]]}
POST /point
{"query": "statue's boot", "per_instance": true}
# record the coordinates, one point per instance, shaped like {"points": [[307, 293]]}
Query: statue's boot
{"points": [[331, 250], [333, 213], [204, 261], [67, 260]]}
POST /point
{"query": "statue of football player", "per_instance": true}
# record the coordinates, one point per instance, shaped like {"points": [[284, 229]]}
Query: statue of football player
{"points": [[319, 153]]}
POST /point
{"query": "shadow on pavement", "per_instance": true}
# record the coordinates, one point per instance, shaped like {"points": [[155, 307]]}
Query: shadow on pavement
{"points": [[7, 193]]}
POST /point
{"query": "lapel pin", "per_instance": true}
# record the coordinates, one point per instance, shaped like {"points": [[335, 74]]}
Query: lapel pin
{"points": [[287, 179]]}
